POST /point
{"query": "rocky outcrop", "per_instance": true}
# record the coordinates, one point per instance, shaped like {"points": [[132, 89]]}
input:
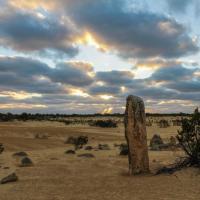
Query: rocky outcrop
{"points": [[136, 136]]}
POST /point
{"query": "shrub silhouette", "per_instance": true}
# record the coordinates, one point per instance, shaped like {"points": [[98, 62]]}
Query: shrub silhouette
{"points": [[189, 138], [104, 123]]}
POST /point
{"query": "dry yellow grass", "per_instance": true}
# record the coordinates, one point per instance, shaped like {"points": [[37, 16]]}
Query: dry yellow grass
{"points": [[57, 176]]}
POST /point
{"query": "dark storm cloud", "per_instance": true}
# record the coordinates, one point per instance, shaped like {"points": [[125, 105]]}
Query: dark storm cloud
{"points": [[155, 93], [97, 90], [192, 96], [132, 34], [26, 31], [115, 77], [23, 66], [185, 86], [31, 76], [34, 76], [172, 73], [73, 74]]}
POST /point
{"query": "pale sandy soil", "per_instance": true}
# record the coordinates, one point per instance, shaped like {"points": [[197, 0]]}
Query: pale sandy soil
{"points": [[57, 176]]}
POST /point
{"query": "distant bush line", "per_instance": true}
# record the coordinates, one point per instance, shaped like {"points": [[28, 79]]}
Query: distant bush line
{"points": [[104, 123], [39, 117]]}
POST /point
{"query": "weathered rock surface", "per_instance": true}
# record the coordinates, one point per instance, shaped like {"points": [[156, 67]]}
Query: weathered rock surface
{"points": [[136, 136], [88, 148], [25, 162], [41, 136], [20, 154], [1, 148], [70, 152], [103, 147], [155, 142], [10, 178], [78, 142], [123, 150]]}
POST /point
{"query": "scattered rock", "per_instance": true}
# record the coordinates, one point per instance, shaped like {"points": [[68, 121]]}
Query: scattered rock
{"points": [[6, 168], [148, 123], [89, 148], [70, 140], [177, 122], [155, 148], [10, 178], [77, 141], [117, 145], [20, 154], [123, 150], [172, 141], [41, 136], [70, 152], [103, 147], [1, 148], [157, 144], [163, 123], [26, 162], [86, 155], [53, 158], [156, 141], [165, 146]]}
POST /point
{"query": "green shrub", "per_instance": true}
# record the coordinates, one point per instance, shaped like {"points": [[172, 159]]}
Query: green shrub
{"points": [[104, 123], [189, 138]]}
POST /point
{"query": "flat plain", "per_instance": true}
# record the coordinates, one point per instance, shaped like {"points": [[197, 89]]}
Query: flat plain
{"points": [[59, 176]]}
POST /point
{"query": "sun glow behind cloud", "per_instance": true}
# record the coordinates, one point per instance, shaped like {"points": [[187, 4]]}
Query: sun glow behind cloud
{"points": [[89, 39], [78, 92], [32, 4], [107, 111], [19, 95], [106, 97], [21, 106]]}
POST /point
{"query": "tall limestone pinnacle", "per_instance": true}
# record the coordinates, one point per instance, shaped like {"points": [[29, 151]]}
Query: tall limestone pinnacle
{"points": [[136, 135]]}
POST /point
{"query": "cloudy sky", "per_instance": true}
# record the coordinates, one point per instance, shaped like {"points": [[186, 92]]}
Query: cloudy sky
{"points": [[86, 56]]}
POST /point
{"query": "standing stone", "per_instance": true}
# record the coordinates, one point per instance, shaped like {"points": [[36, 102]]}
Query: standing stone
{"points": [[136, 136]]}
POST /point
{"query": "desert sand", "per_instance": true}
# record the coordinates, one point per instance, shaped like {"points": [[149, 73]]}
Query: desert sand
{"points": [[59, 176]]}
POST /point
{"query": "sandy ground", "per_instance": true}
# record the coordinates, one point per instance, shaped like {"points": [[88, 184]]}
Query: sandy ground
{"points": [[58, 176]]}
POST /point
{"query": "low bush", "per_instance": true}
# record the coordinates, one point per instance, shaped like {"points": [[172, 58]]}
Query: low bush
{"points": [[189, 138], [104, 123]]}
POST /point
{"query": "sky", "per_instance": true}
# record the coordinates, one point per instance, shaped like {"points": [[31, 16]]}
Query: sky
{"points": [[87, 56]]}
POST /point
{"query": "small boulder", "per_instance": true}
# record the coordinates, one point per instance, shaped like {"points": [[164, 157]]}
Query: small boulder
{"points": [[78, 142], [163, 123], [1, 148], [41, 136], [123, 150], [25, 162], [88, 148], [103, 147], [172, 141], [20, 154], [70, 140], [156, 141], [148, 123], [10, 178], [116, 145], [70, 152], [86, 155]]}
